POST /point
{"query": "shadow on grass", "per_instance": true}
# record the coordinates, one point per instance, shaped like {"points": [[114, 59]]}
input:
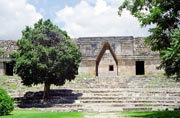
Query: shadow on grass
{"points": [[35, 99], [153, 114]]}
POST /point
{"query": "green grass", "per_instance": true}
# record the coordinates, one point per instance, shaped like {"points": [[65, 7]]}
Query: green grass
{"points": [[155, 75], [82, 76], [42, 114], [152, 114]]}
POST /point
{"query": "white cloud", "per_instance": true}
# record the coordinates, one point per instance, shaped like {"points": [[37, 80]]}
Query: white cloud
{"points": [[14, 16], [98, 18]]}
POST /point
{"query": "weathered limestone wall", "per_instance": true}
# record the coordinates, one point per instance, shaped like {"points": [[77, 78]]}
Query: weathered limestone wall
{"points": [[2, 71], [90, 46], [8, 46], [104, 65], [126, 67], [87, 67], [128, 50], [140, 48], [151, 66]]}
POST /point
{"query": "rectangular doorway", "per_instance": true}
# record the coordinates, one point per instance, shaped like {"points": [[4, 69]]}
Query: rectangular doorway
{"points": [[140, 68], [9, 68]]}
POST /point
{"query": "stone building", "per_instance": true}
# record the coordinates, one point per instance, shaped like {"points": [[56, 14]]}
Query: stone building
{"points": [[7, 46], [116, 56], [102, 56]]}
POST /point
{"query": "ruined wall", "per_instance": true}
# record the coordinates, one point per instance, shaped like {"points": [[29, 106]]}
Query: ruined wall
{"points": [[140, 48], [126, 67], [2, 71], [91, 46], [151, 66], [8, 46], [107, 66], [128, 50], [87, 67]]}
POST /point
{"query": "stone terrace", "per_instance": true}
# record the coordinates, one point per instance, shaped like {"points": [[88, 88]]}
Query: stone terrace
{"points": [[105, 95]]}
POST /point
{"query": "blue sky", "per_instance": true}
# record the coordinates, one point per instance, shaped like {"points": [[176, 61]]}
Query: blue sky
{"points": [[49, 7], [80, 18]]}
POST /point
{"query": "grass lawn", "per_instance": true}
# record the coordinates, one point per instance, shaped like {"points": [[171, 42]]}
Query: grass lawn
{"points": [[42, 114], [153, 114]]}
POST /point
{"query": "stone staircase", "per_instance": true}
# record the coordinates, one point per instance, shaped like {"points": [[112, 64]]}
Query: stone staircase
{"points": [[107, 95]]}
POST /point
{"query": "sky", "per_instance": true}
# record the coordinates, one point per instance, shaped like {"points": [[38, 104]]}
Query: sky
{"points": [[80, 18]]}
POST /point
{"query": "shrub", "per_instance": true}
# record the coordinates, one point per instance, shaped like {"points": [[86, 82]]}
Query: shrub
{"points": [[6, 103]]}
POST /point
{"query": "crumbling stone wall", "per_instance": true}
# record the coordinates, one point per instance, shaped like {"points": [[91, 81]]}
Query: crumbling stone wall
{"points": [[8, 46], [91, 46], [128, 50], [140, 48]]}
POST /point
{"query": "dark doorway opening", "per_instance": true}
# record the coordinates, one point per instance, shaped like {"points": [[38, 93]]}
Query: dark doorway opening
{"points": [[139, 67], [111, 68], [9, 68]]}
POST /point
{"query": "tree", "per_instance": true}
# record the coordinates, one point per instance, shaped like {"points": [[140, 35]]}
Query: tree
{"points": [[165, 15], [46, 55]]}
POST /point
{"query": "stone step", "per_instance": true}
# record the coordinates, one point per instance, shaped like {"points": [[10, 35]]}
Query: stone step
{"points": [[130, 104], [113, 105], [134, 90], [130, 101], [105, 98], [130, 94], [137, 109], [92, 109], [175, 98]]}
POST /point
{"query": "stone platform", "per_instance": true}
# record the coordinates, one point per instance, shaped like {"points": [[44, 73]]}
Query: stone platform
{"points": [[107, 95]]}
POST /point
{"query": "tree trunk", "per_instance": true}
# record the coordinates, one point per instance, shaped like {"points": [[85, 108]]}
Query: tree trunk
{"points": [[46, 91]]}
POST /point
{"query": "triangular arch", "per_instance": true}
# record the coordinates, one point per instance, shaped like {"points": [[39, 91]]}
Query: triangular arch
{"points": [[105, 46]]}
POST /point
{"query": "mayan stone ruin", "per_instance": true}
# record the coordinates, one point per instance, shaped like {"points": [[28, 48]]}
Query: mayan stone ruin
{"points": [[117, 56], [102, 56]]}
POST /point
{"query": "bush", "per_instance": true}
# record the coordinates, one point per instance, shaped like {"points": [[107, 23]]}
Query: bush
{"points": [[6, 103]]}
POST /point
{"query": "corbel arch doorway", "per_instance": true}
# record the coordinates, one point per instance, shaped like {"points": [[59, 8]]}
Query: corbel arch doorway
{"points": [[106, 61]]}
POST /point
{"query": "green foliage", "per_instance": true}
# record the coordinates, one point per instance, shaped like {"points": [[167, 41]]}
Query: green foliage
{"points": [[165, 15], [171, 55], [46, 55], [6, 103]]}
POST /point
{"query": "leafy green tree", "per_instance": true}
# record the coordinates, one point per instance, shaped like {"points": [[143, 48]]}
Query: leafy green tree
{"points": [[171, 56], [6, 103], [165, 15], [46, 55]]}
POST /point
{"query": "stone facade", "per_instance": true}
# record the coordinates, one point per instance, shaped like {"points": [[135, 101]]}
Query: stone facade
{"points": [[7, 46], [103, 56], [117, 56]]}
